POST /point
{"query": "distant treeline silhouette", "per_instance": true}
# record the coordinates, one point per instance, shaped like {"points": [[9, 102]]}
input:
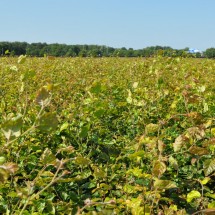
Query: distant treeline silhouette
{"points": [[63, 50]]}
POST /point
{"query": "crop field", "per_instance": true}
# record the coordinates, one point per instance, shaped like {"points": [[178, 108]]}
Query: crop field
{"points": [[107, 136]]}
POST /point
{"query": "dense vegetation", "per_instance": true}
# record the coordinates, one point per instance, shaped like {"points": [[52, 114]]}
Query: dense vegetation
{"points": [[107, 136], [59, 50]]}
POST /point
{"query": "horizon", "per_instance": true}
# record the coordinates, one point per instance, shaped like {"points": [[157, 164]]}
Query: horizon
{"points": [[104, 45]]}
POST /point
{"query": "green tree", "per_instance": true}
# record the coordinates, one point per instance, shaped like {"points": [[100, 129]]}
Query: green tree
{"points": [[210, 53]]}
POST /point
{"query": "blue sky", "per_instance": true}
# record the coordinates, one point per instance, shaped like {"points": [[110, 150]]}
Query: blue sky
{"points": [[117, 23]]}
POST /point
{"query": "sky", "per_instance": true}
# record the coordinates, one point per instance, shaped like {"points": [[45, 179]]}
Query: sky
{"points": [[117, 23]]}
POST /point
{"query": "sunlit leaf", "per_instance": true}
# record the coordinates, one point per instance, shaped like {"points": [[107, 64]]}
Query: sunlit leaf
{"points": [[209, 167], [82, 161], [21, 59], [205, 180], [14, 68], [12, 127], [178, 143], [136, 209], [151, 128], [213, 132], [47, 174], [64, 126], [135, 155], [193, 195], [135, 171], [135, 85], [2, 160]]}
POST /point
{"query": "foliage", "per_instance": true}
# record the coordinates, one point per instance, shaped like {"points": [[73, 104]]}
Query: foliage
{"points": [[63, 50], [107, 136], [210, 53]]}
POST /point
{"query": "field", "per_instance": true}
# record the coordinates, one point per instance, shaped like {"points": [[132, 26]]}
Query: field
{"points": [[107, 136]]}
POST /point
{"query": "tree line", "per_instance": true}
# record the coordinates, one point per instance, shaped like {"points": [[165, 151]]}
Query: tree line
{"points": [[63, 50]]}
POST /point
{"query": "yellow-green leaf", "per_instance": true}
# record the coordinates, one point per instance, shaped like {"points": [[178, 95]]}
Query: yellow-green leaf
{"points": [[173, 162], [213, 132], [212, 205], [205, 180], [21, 59], [164, 184], [209, 167], [193, 195], [151, 128]]}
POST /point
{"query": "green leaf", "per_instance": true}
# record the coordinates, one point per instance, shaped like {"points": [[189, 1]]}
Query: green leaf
{"points": [[164, 184], [209, 167], [136, 155], [96, 88], [173, 162], [151, 128], [159, 168], [129, 189], [137, 172], [84, 131], [39, 205], [47, 157], [48, 122], [47, 173], [12, 127], [211, 195], [7, 52], [64, 126], [99, 113], [82, 161], [99, 173], [28, 75], [13, 194], [193, 195], [2, 160]]}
